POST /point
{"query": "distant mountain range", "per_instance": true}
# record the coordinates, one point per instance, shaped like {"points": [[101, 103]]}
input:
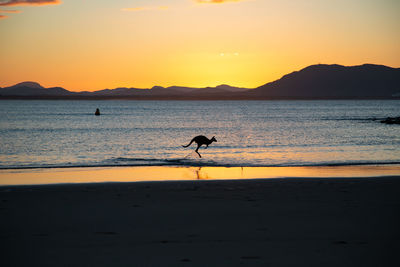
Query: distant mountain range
{"points": [[313, 82]]}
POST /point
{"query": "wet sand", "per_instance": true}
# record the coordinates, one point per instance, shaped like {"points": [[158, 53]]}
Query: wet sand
{"points": [[184, 173], [274, 222]]}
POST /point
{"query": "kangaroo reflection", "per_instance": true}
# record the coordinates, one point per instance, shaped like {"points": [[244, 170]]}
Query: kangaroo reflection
{"points": [[201, 175], [207, 173]]}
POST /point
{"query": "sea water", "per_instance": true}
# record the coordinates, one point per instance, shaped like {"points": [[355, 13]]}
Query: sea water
{"points": [[58, 133]]}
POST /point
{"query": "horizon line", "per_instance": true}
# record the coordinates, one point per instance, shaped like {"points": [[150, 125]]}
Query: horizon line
{"points": [[199, 87]]}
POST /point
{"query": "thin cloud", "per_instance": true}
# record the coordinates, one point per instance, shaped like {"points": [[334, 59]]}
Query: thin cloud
{"points": [[142, 8], [7, 3], [215, 1], [28, 2], [9, 11]]}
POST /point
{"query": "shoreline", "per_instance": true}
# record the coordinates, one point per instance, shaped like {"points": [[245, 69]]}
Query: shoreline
{"points": [[83, 175], [256, 222], [189, 183]]}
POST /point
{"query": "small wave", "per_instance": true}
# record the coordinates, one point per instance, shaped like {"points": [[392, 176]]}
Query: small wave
{"points": [[165, 162], [132, 159]]}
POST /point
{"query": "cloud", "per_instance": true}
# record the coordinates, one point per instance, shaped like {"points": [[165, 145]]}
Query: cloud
{"points": [[9, 11], [215, 1], [144, 8], [28, 2], [7, 3]]}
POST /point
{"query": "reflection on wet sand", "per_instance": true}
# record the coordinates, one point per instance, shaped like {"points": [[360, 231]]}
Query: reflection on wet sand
{"points": [[164, 173]]}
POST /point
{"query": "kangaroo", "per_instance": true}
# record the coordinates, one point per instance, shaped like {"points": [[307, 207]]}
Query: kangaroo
{"points": [[201, 140]]}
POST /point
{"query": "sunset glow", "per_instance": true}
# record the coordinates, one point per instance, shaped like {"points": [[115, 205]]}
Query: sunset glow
{"points": [[160, 173], [92, 45]]}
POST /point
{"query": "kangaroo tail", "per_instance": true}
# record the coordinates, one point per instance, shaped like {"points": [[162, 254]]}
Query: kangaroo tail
{"points": [[189, 143]]}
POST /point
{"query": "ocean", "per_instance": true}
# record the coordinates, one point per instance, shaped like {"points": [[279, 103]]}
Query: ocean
{"points": [[58, 133]]}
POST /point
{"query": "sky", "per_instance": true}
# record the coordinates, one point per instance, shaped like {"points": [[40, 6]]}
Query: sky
{"points": [[97, 44]]}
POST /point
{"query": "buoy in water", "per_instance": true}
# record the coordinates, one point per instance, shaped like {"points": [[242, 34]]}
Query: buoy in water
{"points": [[97, 113]]}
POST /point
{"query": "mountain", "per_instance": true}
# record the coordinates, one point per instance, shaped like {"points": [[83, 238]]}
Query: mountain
{"points": [[33, 89], [335, 81], [313, 82], [229, 88], [28, 84]]}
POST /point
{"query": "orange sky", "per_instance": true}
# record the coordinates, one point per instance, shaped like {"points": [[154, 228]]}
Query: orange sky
{"points": [[97, 44]]}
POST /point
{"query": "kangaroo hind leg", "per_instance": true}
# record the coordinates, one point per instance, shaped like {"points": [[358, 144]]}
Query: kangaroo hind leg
{"points": [[197, 150]]}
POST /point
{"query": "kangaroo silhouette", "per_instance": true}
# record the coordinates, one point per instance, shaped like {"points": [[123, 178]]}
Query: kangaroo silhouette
{"points": [[201, 140]]}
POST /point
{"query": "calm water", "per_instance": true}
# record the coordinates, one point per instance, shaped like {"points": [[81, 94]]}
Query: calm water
{"points": [[249, 133]]}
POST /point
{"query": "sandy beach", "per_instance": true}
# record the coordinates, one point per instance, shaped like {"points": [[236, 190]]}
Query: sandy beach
{"points": [[275, 222]]}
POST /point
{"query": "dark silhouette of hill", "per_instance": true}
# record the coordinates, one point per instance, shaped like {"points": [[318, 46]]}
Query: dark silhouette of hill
{"points": [[313, 82], [33, 89], [335, 81]]}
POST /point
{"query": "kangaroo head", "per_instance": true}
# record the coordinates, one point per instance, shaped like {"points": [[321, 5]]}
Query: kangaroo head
{"points": [[213, 139]]}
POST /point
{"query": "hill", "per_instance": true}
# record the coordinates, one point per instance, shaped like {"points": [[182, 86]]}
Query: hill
{"points": [[33, 89], [313, 82], [335, 81]]}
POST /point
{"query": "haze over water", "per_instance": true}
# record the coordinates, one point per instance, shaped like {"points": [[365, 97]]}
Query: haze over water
{"points": [[249, 133]]}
